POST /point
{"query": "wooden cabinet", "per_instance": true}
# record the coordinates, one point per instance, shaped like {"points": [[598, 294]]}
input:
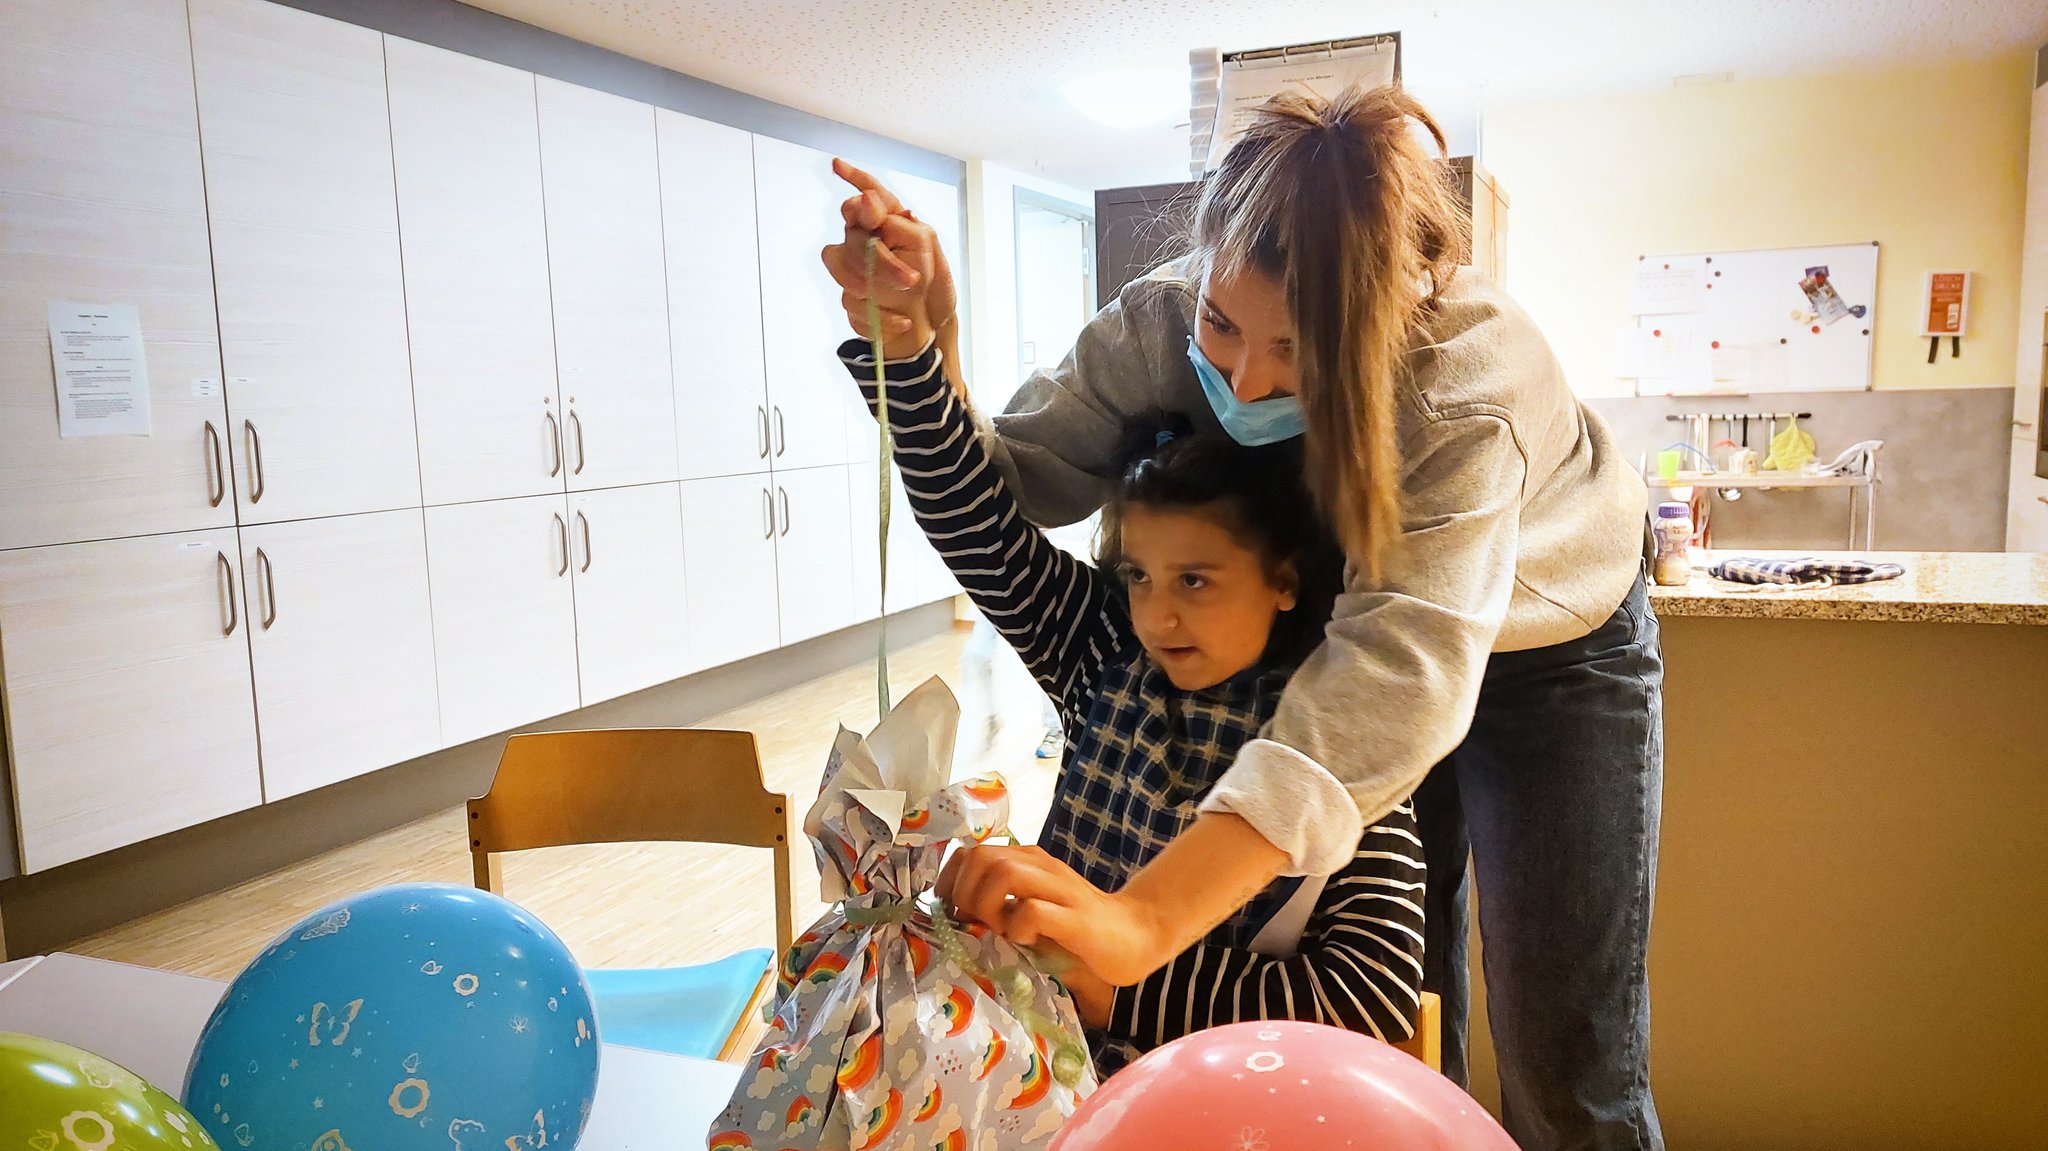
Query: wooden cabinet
{"points": [[632, 616], [103, 202], [797, 213], [504, 614], [603, 188], [813, 552], [342, 641], [466, 149], [296, 135], [723, 422], [127, 691], [729, 526]]}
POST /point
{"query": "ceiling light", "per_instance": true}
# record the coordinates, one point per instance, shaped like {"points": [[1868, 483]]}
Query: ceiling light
{"points": [[1129, 99]]}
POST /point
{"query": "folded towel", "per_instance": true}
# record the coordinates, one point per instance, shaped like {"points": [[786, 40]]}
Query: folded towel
{"points": [[1803, 571]]}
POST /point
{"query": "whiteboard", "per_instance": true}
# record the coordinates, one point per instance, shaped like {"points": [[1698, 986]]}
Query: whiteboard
{"points": [[1735, 323]]}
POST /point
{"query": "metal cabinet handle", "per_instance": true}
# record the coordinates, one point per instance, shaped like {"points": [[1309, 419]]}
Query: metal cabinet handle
{"points": [[555, 440], [269, 588], [2042, 499], [761, 411], [216, 476], [781, 433], [785, 510], [767, 515], [227, 575], [585, 521], [562, 529], [577, 421], [255, 462]]}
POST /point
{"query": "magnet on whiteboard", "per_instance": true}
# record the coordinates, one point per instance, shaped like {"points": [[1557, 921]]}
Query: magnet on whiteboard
{"points": [[1858, 311]]}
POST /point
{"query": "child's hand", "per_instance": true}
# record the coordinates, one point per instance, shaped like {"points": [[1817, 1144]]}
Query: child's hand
{"points": [[913, 285], [1030, 898]]}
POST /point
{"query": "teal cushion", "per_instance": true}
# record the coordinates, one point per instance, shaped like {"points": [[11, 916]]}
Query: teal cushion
{"points": [[678, 1010]]}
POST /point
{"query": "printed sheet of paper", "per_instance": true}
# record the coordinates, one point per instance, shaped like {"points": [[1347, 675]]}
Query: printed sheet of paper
{"points": [[1664, 284], [1246, 84], [102, 382]]}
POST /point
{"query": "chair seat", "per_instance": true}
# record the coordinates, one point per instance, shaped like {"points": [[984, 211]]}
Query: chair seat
{"points": [[677, 1010]]}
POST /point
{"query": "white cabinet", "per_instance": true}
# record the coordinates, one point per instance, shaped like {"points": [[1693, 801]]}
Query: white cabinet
{"points": [[714, 296], [917, 575], [504, 614], [632, 618], [729, 528], [296, 135], [813, 552], [603, 187], [342, 640], [127, 691], [797, 213], [102, 199], [466, 149], [2026, 526]]}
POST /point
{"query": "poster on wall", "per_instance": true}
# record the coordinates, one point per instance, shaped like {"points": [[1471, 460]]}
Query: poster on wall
{"points": [[102, 381]]}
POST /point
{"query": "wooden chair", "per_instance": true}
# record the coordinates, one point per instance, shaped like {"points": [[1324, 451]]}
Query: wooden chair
{"points": [[1427, 1044], [555, 789]]}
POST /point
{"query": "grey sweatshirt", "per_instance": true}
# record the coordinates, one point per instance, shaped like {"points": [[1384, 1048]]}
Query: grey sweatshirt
{"points": [[1522, 527]]}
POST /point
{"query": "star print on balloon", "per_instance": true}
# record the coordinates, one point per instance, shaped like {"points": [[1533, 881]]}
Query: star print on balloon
{"points": [[411, 1018]]}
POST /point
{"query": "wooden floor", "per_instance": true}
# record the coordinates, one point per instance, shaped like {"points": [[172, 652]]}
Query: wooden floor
{"points": [[627, 905]]}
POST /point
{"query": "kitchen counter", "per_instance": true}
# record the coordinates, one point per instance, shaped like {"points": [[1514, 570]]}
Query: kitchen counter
{"points": [[1846, 950], [1938, 587]]}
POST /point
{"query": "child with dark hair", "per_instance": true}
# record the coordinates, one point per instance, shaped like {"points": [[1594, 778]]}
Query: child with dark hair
{"points": [[1214, 580]]}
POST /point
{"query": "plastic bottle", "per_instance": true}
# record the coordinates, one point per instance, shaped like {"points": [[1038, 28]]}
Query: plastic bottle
{"points": [[1672, 566]]}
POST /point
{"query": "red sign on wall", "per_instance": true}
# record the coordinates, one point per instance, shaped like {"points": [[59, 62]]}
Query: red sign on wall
{"points": [[1948, 304]]}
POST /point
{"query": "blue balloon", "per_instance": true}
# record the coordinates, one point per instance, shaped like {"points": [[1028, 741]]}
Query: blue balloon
{"points": [[423, 1017]]}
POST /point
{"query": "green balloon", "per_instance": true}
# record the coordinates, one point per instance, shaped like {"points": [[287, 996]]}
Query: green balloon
{"points": [[54, 1097]]}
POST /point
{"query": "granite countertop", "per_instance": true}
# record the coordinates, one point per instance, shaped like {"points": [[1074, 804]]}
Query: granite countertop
{"points": [[1938, 587]]}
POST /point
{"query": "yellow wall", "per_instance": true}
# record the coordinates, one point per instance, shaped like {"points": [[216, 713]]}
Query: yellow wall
{"points": [[1930, 162]]}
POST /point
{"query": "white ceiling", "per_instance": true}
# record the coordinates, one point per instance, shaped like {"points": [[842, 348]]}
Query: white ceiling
{"points": [[982, 78]]}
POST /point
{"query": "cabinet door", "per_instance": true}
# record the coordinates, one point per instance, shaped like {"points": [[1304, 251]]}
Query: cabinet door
{"points": [[101, 193], [504, 614], [797, 199], [632, 617], [127, 691], [814, 552], [603, 185], [729, 552], [714, 296], [917, 575], [342, 640], [467, 154]]}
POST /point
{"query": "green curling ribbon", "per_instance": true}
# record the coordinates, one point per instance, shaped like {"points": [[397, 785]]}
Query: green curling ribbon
{"points": [[874, 249]]}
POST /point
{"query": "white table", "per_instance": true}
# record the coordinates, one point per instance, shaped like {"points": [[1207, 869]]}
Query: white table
{"points": [[149, 1021]]}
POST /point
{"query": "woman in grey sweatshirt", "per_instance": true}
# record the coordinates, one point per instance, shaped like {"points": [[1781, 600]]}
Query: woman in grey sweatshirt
{"points": [[1494, 646]]}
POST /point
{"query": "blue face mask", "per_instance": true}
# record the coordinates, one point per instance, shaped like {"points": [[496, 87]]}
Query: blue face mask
{"points": [[1255, 424]]}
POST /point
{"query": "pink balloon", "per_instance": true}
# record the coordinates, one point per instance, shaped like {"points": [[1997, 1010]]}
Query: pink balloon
{"points": [[1280, 1087]]}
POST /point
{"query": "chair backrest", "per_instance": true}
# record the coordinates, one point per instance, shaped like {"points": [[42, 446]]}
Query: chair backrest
{"points": [[633, 785]]}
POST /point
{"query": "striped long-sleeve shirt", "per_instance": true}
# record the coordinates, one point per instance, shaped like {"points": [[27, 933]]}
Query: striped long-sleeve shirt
{"points": [[1141, 755]]}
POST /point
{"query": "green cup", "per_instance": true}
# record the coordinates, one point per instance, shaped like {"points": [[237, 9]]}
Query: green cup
{"points": [[57, 1098], [1668, 462]]}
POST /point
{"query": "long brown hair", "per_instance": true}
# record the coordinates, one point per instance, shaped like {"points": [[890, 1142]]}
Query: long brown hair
{"points": [[1339, 200]]}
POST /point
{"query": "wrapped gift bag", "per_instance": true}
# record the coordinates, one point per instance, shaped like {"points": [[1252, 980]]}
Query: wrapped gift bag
{"points": [[894, 1028]]}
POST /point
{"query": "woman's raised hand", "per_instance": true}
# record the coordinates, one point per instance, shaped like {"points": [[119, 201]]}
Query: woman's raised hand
{"points": [[912, 283]]}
